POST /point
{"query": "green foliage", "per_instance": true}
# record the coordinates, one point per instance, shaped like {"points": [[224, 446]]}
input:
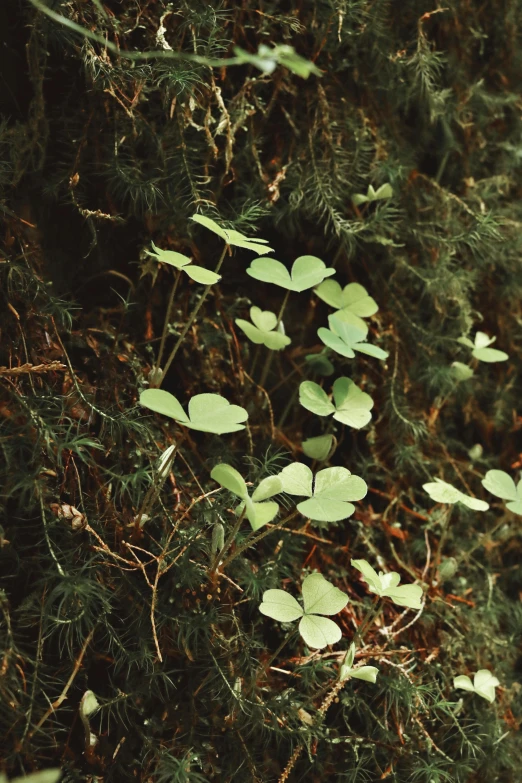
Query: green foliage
{"points": [[502, 486], [442, 492], [347, 672], [264, 329], [206, 412], [350, 405], [306, 272], [233, 237], [346, 335], [353, 299], [319, 448], [329, 491], [258, 509], [387, 585], [320, 597], [480, 349], [484, 684], [179, 261], [385, 191]]}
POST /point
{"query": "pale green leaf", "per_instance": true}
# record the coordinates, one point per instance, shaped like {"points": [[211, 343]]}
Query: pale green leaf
{"points": [[442, 492], [171, 257], [259, 514], [201, 275], [163, 402], [307, 271], [500, 484], [369, 573], [266, 59], [482, 340], [281, 606], [461, 372], [252, 332], [230, 479], [267, 488], [213, 413], [44, 776], [322, 597], [346, 334], [320, 364], [318, 631], [489, 355], [515, 506], [232, 237], [405, 595], [353, 406], [366, 673], [297, 479], [484, 684], [318, 448], [325, 510], [263, 319], [261, 331], [464, 682], [314, 399], [339, 484]]}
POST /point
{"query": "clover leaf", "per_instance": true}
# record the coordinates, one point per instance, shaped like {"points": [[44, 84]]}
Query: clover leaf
{"points": [[385, 191], [206, 412], [232, 237], [387, 585], [257, 512], [264, 329], [480, 348], [179, 261], [351, 406], [319, 363], [353, 298], [502, 486], [367, 673], [319, 448], [461, 372], [442, 492], [43, 776], [320, 597], [329, 493], [267, 60], [306, 272], [484, 684], [346, 335]]}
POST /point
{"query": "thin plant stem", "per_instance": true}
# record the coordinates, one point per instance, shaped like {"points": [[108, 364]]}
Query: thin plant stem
{"points": [[442, 539], [368, 619], [155, 488], [255, 360], [252, 540], [192, 317], [270, 356], [157, 369], [272, 658], [228, 543]]}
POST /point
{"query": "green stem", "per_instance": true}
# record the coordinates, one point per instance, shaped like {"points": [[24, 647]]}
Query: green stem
{"points": [[368, 620], [192, 317], [442, 539], [252, 540], [270, 356], [156, 372], [283, 644], [228, 543], [155, 488]]}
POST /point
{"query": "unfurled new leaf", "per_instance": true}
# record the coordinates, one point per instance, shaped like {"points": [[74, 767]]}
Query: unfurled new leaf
{"points": [[179, 261], [330, 492], [350, 406], [480, 348], [442, 492], [353, 298], [258, 509], [207, 412], [387, 585], [347, 334], [306, 272], [319, 448], [385, 191], [502, 486], [264, 329], [484, 684], [367, 673], [232, 237], [320, 597]]}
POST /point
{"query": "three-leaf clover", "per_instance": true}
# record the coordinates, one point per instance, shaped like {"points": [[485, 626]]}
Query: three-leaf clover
{"points": [[267, 59], [484, 684], [320, 597], [442, 492], [329, 493], [367, 673], [480, 348], [258, 509], [353, 298], [319, 448], [502, 486], [385, 191], [350, 405], [179, 261], [264, 329], [206, 412], [232, 237], [346, 335], [387, 585], [306, 272]]}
